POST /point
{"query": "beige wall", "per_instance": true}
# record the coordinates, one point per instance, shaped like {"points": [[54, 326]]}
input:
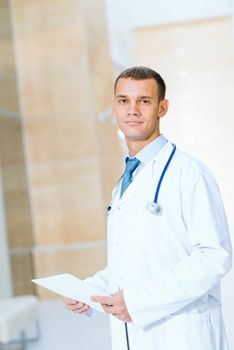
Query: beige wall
{"points": [[65, 79], [16, 199]]}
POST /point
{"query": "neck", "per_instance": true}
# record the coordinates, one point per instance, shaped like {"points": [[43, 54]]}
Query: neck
{"points": [[136, 146]]}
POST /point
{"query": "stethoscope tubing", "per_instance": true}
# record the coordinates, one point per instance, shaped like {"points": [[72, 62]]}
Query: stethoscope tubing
{"points": [[127, 336], [163, 173]]}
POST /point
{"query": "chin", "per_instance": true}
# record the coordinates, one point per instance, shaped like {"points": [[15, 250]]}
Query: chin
{"points": [[135, 137]]}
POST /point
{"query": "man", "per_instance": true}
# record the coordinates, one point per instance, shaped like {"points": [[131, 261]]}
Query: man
{"points": [[165, 260]]}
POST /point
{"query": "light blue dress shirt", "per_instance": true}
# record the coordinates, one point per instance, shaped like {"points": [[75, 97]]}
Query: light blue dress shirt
{"points": [[147, 153]]}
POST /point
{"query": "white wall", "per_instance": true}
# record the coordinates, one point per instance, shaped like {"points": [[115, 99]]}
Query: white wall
{"points": [[151, 12], [118, 15]]}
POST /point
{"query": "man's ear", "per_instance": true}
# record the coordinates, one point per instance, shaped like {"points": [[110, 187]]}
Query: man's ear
{"points": [[163, 108]]}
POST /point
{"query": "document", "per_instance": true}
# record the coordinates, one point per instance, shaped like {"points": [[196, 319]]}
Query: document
{"points": [[72, 287]]}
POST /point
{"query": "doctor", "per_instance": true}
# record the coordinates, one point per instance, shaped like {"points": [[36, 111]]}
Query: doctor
{"points": [[166, 253]]}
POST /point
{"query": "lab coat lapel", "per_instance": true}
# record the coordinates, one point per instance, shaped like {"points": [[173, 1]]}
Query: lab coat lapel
{"points": [[142, 180], [145, 177]]}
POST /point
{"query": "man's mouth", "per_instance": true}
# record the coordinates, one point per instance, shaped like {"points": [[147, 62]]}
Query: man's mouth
{"points": [[133, 122]]}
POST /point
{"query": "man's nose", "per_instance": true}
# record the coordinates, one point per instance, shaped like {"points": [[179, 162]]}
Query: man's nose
{"points": [[133, 109]]}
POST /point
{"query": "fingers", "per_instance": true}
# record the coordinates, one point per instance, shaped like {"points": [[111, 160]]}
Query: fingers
{"points": [[75, 305], [81, 308], [108, 303], [109, 309], [117, 311], [102, 300], [114, 305], [69, 301]]}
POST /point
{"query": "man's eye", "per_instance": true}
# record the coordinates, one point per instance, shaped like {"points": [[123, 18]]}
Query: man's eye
{"points": [[145, 102], [123, 100]]}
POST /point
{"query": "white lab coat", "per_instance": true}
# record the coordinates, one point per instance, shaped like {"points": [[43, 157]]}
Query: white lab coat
{"points": [[169, 266]]}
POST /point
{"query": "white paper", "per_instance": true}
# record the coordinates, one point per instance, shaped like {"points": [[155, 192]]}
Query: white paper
{"points": [[72, 287]]}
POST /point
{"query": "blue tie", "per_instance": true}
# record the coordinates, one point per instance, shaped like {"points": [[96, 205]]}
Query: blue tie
{"points": [[131, 165]]}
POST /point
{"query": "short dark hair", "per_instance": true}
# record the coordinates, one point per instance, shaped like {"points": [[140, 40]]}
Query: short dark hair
{"points": [[142, 73]]}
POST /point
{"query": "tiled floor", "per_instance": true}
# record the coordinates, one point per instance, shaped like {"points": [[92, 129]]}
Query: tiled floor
{"points": [[63, 330]]}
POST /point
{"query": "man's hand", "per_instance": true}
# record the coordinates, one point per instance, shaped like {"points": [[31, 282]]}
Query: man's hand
{"points": [[76, 306], [114, 305]]}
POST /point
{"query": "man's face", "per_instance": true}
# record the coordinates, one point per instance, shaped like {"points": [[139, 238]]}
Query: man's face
{"points": [[137, 109]]}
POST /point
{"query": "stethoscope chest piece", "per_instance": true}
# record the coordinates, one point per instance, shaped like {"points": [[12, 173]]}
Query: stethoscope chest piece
{"points": [[154, 208]]}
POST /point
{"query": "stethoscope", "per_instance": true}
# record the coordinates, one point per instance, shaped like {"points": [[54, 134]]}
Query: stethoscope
{"points": [[154, 207]]}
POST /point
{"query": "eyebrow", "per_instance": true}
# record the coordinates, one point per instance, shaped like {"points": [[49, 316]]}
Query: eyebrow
{"points": [[142, 97], [149, 97], [121, 96]]}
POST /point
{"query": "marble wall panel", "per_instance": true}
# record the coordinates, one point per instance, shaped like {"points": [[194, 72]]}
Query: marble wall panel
{"points": [[175, 36], [15, 187], [210, 41], [53, 63], [56, 85], [5, 26], [70, 212], [11, 146], [8, 95], [8, 88], [7, 60], [52, 94], [44, 14], [22, 273], [18, 218], [58, 139]]}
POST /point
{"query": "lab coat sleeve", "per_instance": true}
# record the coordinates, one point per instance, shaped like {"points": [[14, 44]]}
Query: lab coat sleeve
{"points": [[99, 280], [199, 271]]}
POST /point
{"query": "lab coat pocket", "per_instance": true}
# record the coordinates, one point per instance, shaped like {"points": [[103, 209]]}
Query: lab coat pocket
{"points": [[190, 331], [156, 233]]}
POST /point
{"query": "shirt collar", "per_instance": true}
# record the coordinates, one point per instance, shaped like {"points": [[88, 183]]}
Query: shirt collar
{"points": [[150, 150]]}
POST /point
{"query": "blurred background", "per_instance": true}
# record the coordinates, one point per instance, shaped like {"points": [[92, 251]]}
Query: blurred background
{"points": [[60, 150]]}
